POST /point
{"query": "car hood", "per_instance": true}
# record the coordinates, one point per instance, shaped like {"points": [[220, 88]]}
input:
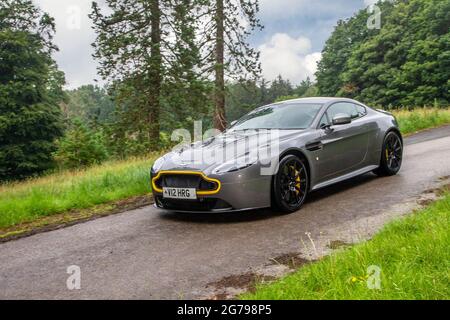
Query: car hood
{"points": [[213, 152]]}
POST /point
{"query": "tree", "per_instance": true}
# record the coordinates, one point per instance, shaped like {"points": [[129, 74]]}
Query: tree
{"points": [[405, 63], [129, 50], [280, 87], [242, 97], [303, 88], [91, 104], [80, 147], [149, 51], [185, 93], [226, 26], [30, 90], [347, 35]]}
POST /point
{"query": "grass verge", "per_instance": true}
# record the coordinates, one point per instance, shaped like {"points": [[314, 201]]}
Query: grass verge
{"points": [[412, 253], [73, 190], [411, 121]]}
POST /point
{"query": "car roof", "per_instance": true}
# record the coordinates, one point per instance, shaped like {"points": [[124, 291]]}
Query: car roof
{"points": [[321, 100]]}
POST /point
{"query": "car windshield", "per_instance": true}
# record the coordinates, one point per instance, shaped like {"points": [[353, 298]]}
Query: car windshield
{"points": [[279, 116]]}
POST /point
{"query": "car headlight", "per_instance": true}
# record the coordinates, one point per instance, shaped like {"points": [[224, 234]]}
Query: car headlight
{"points": [[157, 165], [235, 165]]}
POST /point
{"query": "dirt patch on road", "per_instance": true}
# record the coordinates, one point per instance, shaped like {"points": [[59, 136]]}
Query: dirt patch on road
{"points": [[232, 286], [425, 202], [336, 244], [72, 217], [245, 281], [292, 260]]}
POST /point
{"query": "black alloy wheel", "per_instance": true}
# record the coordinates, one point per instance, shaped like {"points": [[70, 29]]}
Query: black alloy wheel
{"points": [[391, 156], [290, 185]]}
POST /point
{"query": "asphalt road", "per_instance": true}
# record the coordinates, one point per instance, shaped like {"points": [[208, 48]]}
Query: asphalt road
{"points": [[148, 254]]}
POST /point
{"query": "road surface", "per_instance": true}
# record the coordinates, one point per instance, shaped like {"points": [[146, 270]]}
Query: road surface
{"points": [[149, 254]]}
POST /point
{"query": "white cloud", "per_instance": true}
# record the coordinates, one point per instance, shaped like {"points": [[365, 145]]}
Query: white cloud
{"points": [[284, 9], [289, 57], [73, 37], [370, 2]]}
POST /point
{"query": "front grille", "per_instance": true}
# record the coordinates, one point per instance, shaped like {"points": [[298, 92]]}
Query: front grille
{"points": [[205, 204], [180, 181], [185, 181]]}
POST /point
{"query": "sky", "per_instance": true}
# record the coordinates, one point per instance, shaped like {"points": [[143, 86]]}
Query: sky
{"points": [[291, 42]]}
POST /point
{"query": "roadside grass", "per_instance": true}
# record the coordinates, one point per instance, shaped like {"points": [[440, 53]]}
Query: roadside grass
{"points": [[421, 118], [78, 189], [412, 252]]}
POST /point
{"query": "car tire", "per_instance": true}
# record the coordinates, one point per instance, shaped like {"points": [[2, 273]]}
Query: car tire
{"points": [[391, 155], [289, 185]]}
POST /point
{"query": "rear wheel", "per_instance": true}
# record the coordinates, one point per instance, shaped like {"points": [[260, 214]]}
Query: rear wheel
{"points": [[290, 184], [391, 155]]}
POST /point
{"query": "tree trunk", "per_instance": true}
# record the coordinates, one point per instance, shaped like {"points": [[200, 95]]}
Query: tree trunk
{"points": [[219, 99], [155, 74]]}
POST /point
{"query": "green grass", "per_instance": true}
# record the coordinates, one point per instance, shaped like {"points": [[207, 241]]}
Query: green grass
{"points": [[59, 192], [421, 118], [413, 254]]}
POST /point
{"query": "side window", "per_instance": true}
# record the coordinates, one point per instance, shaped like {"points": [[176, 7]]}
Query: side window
{"points": [[361, 111], [353, 110], [324, 121], [342, 107]]}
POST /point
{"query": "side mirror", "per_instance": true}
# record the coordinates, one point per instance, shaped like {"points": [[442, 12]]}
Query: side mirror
{"points": [[341, 118]]}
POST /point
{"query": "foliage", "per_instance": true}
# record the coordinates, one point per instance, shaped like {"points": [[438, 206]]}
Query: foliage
{"points": [[185, 93], [224, 28], [412, 253], [92, 104], [246, 95], [404, 63], [30, 90], [80, 147], [154, 79], [347, 35]]}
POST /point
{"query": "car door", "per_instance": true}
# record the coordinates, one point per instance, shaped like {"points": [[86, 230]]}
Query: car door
{"points": [[344, 147]]}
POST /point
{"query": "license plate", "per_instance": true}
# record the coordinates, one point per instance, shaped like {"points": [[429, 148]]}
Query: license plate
{"points": [[179, 193]]}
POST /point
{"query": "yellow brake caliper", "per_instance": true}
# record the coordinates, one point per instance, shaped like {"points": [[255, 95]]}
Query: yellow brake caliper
{"points": [[297, 182]]}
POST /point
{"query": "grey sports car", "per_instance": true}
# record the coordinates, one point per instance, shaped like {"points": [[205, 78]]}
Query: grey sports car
{"points": [[276, 154]]}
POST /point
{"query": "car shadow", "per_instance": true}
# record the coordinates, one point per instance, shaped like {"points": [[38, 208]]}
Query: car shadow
{"points": [[267, 213]]}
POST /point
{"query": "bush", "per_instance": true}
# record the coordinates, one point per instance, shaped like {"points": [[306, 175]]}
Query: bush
{"points": [[80, 147]]}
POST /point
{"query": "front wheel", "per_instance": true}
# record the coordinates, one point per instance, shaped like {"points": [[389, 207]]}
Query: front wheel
{"points": [[391, 155], [290, 184]]}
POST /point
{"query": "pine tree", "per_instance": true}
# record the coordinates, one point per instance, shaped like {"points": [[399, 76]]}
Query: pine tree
{"points": [[149, 51], [129, 50], [185, 91], [226, 26], [30, 90]]}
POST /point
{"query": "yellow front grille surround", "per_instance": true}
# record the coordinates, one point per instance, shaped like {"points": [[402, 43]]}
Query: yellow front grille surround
{"points": [[198, 173]]}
